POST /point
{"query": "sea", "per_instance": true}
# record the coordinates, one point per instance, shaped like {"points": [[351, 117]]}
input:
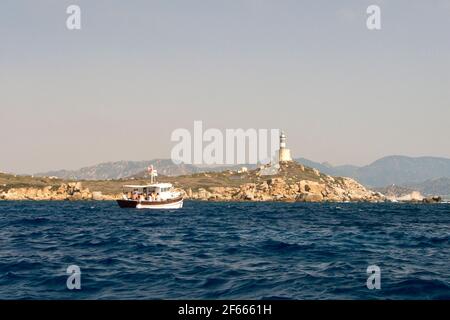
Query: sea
{"points": [[213, 250]]}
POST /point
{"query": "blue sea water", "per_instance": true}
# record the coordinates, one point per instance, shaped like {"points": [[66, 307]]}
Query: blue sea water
{"points": [[224, 251]]}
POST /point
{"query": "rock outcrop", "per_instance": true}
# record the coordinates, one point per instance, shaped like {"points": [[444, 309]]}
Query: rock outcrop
{"points": [[435, 199], [289, 182], [414, 196], [70, 191], [278, 189]]}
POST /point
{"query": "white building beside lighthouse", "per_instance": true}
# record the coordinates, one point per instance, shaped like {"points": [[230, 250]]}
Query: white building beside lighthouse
{"points": [[284, 154]]}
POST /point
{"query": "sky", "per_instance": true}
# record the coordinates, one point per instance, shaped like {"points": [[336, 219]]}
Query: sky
{"points": [[138, 70]]}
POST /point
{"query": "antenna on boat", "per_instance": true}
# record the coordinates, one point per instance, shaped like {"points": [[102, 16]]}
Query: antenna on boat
{"points": [[153, 173]]}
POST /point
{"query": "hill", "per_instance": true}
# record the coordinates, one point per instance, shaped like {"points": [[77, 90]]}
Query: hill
{"points": [[440, 187], [327, 168], [8, 181], [134, 169], [287, 182], [122, 169], [402, 170], [397, 170], [387, 171]]}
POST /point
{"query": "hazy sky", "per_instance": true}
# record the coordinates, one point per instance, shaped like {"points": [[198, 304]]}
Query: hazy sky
{"points": [[140, 69]]}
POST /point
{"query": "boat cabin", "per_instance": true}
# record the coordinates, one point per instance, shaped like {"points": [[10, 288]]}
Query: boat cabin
{"points": [[150, 192]]}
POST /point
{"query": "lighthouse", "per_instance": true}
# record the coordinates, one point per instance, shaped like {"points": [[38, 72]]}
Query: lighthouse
{"points": [[284, 154]]}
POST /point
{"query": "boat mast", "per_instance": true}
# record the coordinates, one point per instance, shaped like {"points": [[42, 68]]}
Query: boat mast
{"points": [[153, 173]]}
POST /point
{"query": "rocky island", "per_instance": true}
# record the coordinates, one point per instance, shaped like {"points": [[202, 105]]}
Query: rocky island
{"points": [[289, 182], [285, 180], [292, 182]]}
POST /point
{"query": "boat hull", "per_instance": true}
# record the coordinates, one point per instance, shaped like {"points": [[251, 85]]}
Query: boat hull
{"points": [[176, 203]]}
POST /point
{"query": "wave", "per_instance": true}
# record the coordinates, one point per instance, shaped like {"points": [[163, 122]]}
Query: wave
{"points": [[224, 251]]}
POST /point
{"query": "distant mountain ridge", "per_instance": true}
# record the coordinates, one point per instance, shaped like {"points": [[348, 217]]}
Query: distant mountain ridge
{"points": [[430, 175], [135, 169], [122, 169], [403, 170], [399, 170], [327, 168], [440, 186], [434, 187]]}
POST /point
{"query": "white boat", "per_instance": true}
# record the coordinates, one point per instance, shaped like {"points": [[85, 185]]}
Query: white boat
{"points": [[151, 196]]}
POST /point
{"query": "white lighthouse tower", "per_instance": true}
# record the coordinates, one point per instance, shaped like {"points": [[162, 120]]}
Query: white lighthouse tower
{"points": [[284, 154]]}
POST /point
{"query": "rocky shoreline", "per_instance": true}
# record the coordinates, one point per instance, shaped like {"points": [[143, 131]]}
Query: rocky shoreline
{"points": [[271, 190], [71, 191], [286, 182], [278, 189]]}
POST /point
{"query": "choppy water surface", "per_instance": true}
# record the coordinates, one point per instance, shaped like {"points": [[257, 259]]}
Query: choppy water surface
{"points": [[224, 250]]}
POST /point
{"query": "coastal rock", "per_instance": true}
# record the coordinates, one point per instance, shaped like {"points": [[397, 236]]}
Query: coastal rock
{"points": [[73, 191], [97, 195], [309, 197], [414, 196], [278, 189], [311, 187], [435, 199], [290, 182]]}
